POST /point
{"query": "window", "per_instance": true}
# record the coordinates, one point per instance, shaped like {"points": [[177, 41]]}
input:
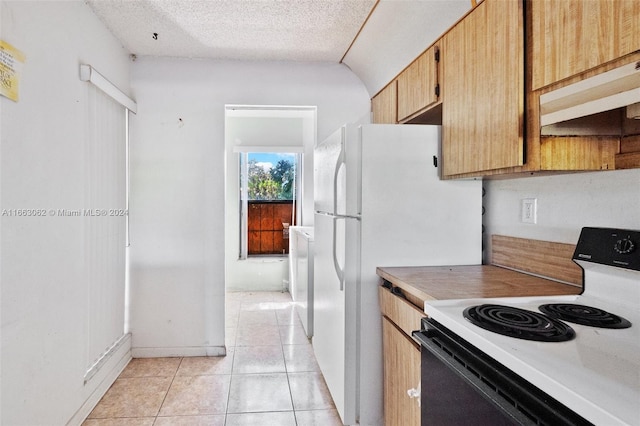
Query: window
{"points": [[269, 185], [105, 227]]}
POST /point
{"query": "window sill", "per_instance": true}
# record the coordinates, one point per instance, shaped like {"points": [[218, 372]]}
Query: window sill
{"points": [[266, 258]]}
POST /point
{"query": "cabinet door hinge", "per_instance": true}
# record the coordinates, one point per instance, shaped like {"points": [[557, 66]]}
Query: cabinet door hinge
{"points": [[436, 54], [437, 90]]}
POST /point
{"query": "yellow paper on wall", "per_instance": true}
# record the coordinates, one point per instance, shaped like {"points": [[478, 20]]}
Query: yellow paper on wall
{"points": [[11, 60]]}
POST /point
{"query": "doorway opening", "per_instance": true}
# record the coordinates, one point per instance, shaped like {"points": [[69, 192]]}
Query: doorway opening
{"points": [[274, 143]]}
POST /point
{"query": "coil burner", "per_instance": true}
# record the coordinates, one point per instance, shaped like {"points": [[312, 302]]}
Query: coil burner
{"points": [[519, 323], [584, 315]]}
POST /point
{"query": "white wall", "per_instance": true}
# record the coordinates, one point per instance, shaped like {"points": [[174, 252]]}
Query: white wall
{"points": [[566, 203], [178, 184], [44, 292]]}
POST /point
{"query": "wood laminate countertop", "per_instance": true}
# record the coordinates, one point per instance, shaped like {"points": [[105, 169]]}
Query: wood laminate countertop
{"points": [[465, 282]]}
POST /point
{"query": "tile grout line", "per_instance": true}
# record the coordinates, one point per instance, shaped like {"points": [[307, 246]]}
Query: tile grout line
{"points": [[286, 369], [233, 363], [167, 392]]}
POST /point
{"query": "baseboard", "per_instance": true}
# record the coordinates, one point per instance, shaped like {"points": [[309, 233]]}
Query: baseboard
{"points": [[187, 351], [102, 380]]}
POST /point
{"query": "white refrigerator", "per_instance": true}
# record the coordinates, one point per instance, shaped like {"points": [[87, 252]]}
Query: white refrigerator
{"points": [[378, 202]]}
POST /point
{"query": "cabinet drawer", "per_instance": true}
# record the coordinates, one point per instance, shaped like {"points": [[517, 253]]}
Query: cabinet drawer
{"points": [[400, 311]]}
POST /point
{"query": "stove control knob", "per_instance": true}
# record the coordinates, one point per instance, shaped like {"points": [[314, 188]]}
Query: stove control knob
{"points": [[624, 246]]}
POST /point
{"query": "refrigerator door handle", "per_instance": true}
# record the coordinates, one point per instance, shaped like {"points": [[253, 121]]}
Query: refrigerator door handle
{"points": [[340, 161], [336, 264]]}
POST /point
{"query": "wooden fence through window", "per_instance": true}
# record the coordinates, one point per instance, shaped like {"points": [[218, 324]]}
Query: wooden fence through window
{"points": [[268, 223]]}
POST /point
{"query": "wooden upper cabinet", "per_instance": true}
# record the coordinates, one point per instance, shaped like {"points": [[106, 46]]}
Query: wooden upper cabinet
{"points": [[384, 105], [569, 37], [483, 78], [418, 85]]}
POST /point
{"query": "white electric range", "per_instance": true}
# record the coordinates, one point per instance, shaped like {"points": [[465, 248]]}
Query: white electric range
{"points": [[592, 372]]}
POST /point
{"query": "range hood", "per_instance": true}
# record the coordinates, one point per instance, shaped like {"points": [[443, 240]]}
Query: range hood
{"points": [[613, 89]]}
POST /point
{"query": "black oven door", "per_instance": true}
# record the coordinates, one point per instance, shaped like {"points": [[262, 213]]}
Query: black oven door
{"points": [[463, 386]]}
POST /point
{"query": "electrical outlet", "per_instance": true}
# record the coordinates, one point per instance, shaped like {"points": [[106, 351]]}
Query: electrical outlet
{"points": [[529, 210]]}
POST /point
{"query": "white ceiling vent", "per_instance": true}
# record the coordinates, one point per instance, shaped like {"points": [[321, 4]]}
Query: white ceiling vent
{"points": [[613, 89]]}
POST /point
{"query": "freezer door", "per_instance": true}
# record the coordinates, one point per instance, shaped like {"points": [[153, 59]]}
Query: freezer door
{"points": [[336, 165], [327, 162], [334, 336]]}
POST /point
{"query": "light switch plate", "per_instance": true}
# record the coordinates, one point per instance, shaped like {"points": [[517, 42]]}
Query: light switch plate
{"points": [[529, 210]]}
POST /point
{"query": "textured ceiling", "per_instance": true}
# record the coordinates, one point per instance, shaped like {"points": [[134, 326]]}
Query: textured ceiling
{"points": [[288, 30], [386, 34]]}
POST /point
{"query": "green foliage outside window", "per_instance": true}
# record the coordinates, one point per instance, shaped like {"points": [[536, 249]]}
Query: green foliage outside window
{"points": [[275, 184]]}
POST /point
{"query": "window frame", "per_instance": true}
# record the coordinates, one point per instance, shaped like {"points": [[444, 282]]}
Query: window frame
{"points": [[243, 159]]}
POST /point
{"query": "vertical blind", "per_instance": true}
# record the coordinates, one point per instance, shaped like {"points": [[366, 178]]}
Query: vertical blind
{"points": [[105, 225]]}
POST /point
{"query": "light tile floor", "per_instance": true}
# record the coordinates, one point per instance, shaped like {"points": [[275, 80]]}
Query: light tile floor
{"points": [[269, 377]]}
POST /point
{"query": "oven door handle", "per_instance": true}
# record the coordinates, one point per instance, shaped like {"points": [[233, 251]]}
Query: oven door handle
{"points": [[422, 336]]}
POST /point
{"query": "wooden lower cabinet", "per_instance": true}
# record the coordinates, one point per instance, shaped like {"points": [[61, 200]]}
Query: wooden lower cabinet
{"points": [[401, 373], [401, 357]]}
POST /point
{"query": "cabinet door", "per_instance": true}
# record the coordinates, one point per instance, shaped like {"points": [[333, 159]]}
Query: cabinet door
{"points": [[569, 37], [483, 78], [401, 373], [384, 105], [417, 85]]}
